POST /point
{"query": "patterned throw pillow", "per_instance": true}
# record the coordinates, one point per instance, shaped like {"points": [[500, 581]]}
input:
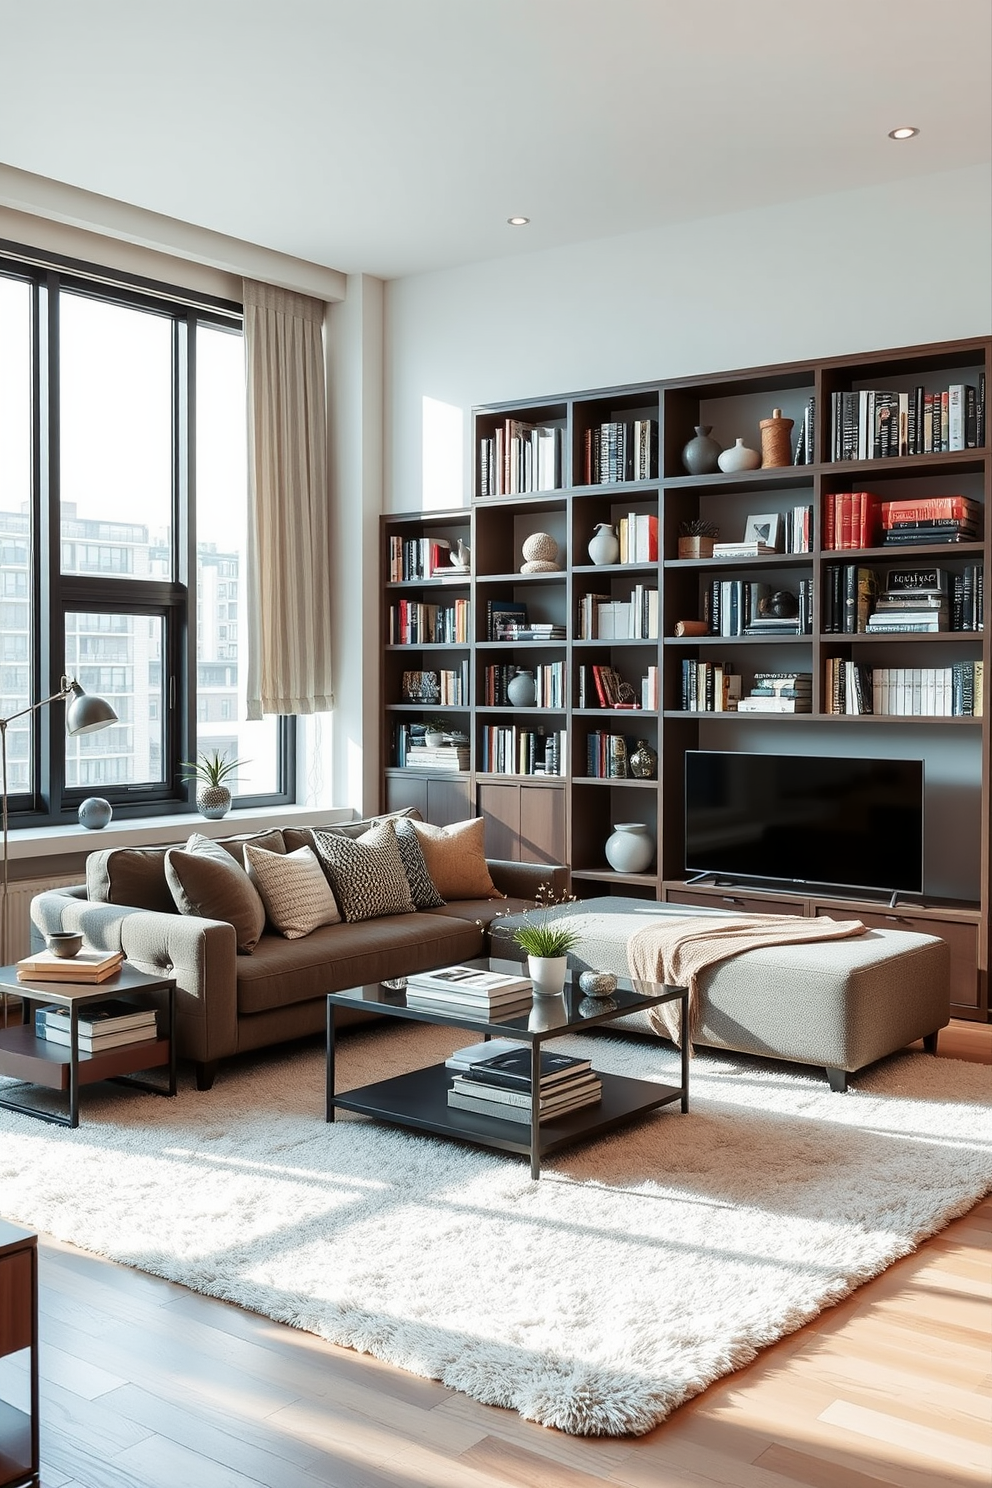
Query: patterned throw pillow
{"points": [[455, 859], [366, 873], [422, 890], [294, 890], [205, 880]]}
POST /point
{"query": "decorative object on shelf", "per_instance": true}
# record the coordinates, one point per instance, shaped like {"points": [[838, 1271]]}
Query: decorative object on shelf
{"points": [[213, 797], [696, 538], [700, 455], [776, 440], [94, 813], [522, 689], [692, 627], [64, 943], [763, 528], [435, 732], [547, 942], [604, 545], [540, 553], [644, 761], [598, 983], [462, 560], [630, 847], [740, 457], [783, 604]]}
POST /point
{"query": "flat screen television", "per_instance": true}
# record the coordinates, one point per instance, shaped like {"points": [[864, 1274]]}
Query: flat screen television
{"points": [[807, 819]]}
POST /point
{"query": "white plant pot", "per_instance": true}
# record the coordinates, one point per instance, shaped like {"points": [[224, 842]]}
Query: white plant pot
{"points": [[547, 973]]}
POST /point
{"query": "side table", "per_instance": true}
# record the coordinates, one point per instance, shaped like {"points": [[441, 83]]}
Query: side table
{"points": [[20, 1465], [24, 1056]]}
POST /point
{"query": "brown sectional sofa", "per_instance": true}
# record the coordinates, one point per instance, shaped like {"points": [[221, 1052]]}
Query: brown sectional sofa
{"points": [[229, 1003]]}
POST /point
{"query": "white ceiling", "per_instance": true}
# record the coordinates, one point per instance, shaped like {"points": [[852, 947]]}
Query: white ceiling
{"points": [[396, 136]]}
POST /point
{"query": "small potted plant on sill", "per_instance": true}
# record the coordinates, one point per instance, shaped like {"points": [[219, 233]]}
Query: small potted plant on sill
{"points": [[696, 538], [436, 731], [547, 942], [210, 770]]}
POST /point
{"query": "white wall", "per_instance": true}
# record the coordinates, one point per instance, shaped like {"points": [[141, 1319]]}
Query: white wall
{"points": [[890, 266]]}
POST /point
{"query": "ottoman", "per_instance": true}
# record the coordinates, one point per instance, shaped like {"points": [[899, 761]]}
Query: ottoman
{"points": [[840, 1004]]}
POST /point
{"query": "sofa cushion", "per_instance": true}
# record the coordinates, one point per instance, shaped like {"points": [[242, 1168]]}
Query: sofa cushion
{"points": [[456, 859], [208, 882], [366, 874], [422, 889], [484, 912], [293, 888], [303, 836], [130, 875], [280, 972], [271, 841]]}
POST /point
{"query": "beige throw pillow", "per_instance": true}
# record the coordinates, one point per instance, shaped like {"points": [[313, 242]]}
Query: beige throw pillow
{"points": [[456, 860], [366, 874], [296, 895], [205, 880]]}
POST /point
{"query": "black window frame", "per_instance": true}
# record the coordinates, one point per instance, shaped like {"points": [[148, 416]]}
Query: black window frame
{"points": [[54, 594]]}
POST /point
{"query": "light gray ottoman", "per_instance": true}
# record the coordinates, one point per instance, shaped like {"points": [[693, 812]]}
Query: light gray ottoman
{"points": [[841, 1004]]}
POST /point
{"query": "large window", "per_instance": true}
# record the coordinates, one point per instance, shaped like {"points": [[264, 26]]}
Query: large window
{"points": [[123, 506]]}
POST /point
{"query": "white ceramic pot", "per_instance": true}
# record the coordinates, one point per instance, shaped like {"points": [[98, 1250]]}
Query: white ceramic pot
{"points": [[630, 848], [604, 545], [739, 458], [547, 973]]}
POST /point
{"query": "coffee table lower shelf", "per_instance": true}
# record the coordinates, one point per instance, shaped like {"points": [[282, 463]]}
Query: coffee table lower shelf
{"points": [[420, 1099]]}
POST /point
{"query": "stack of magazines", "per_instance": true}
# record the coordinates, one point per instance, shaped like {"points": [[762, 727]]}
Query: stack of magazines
{"points": [[469, 989], [500, 1086], [102, 1025]]}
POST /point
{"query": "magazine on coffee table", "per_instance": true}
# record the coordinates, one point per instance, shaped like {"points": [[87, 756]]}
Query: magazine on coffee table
{"points": [[470, 981]]}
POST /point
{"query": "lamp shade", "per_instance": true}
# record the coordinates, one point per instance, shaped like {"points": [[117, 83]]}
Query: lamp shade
{"points": [[87, 713]]}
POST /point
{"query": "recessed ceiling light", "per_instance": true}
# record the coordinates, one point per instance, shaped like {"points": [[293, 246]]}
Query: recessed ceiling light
{"points": [[905, 132], [518, 221]]}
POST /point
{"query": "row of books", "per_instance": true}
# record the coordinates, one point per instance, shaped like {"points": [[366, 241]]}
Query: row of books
{"points": [[925, 599], [412, 558], [102, 1026], [779, 692], [709, 687], [875, 424], [955, 691], [607, 756], [469, 989], [412, 753], [549, 684], [739, 607], [495, 1079], [510, 750], [637, 534], [448, 687], [509, 620], [604, 687], [520, 457], [620, 450], [806, 442], [861, 519], [603, 618], [412, 623]]}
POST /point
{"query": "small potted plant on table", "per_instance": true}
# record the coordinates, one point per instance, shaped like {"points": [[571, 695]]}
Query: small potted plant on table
{"points": [[547, 942]]}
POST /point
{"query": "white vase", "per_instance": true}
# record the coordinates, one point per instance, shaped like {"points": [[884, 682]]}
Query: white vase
{"points": [[604, 545], [739, 458], [547, 973], [630, 848]]}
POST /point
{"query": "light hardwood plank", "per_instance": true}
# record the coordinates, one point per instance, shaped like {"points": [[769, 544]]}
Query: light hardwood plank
{"points": [[950, 1448]]}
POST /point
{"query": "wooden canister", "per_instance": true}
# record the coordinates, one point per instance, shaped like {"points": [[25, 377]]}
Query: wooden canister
{"points": [[776, 440]]}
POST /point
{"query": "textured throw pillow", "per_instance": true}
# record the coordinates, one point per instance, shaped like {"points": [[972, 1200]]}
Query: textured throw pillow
{"points": [[366, 873], [455, 859], [296, 895], [205, 880], [422, 890]]}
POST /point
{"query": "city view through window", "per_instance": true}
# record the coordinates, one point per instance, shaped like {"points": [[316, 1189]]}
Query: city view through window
{"points": [[115, 475]]}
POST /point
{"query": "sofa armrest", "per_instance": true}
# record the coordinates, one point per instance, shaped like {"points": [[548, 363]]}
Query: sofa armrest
{"points": [[200, 954], [522, 880]]}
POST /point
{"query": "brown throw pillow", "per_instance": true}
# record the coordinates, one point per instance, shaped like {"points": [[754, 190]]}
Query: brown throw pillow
{"points": [[455, 859], [205, 880], [366, 874], [294, 890]]}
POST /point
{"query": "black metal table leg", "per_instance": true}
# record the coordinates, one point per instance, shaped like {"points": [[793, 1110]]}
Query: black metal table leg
{"points": [[329, 1088], [535, 1109], [685, 1050], [73, 1065]]}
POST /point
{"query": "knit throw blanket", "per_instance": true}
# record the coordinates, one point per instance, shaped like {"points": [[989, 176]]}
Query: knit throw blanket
{"points": [[675, 952]]}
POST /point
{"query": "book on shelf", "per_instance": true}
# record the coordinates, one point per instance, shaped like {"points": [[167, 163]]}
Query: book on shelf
{"points": [[414, 559], [520, 457], [469, 981], [437, 757], [930, 508], [876, 424], [805, 442], [917, 692], [773, 625], [909, 622], [469, 1101], [496, 1008], [638, 536], [925, 579], [513, 1069], [741, 549], [96, 1043], [416, 623], [501, 613], [112, 1016], [508, 749], [709, 687], [918, 536], [851, 519], [511, 631], [85, 967], [760, 703], [463, 1059], [620, 450], [585, 1089]]}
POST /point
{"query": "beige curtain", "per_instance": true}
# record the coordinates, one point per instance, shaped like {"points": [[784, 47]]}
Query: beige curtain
{"points": [[289, 650]]}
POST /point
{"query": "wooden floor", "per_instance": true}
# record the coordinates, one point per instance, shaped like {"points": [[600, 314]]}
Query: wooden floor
{"points": [[147, 1385]]}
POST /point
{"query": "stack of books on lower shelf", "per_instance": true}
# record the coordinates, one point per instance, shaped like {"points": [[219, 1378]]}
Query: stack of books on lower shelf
{"points": [[102, 1025], [779, 692], [83, 967], [500, 1086], [470, 990]]}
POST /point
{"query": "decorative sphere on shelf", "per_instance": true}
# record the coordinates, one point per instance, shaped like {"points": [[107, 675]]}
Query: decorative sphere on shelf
{"points": [[95, 813], [540, 553]]}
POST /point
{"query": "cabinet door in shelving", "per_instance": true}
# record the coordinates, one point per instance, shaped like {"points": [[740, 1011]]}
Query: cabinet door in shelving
{"points": [[717, 898], [438, 801], [524, 823], [960, 935]]}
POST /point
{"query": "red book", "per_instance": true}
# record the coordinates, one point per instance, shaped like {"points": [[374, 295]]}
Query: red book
{"points": [[869, 507], [845, 516], [600, 689], [829, 505], [928, 509]]}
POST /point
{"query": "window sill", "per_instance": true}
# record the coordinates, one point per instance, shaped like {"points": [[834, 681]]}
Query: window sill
{"points": [[157, 831]]}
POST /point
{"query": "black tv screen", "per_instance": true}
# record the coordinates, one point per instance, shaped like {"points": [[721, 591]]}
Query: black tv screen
{"points": [[813, 819]]}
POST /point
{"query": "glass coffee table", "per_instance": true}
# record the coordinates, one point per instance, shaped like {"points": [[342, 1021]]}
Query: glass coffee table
{"points": [[420, 1099]]}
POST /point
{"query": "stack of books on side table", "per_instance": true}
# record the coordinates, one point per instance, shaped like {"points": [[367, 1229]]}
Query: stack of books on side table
{"points": [[469, 989], [500, 1086], [84, 967], [102, 1025]]}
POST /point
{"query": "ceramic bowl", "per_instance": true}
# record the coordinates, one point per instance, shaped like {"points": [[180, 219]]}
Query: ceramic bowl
{"points": [[65, 944]]}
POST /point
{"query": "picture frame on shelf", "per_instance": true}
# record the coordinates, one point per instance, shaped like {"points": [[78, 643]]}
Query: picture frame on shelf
{"points": [[763, 528]]}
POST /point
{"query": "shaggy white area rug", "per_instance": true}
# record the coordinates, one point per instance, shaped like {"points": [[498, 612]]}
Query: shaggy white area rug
{"points": [[638, 1270]]}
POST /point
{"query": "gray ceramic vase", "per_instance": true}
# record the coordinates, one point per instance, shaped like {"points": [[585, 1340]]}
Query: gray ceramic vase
{"points": [[701, 454]]}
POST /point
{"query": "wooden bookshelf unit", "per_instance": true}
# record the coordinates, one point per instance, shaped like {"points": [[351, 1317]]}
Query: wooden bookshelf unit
{"points": [[568, 816]]}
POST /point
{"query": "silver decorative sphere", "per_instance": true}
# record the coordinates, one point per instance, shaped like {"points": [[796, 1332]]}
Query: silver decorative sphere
{"points": [[95, 813], [597, 983]]}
